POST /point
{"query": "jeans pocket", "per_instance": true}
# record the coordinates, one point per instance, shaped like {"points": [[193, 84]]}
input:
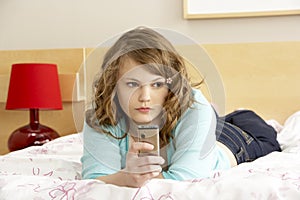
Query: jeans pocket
{"points": [[238, 149], [240, 155], [248, 139]]}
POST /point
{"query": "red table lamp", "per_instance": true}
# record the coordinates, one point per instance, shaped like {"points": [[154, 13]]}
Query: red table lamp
{"points": [[33, 86]]}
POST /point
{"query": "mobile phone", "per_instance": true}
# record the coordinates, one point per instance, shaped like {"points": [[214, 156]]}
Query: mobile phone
{"points": [[149, 134]]}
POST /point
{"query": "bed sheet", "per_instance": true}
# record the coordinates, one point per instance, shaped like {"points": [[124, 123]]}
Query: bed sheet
{"points": [[52, 171]]}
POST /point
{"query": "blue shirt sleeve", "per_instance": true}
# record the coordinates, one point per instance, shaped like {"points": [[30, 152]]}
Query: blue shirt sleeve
{"points": [[102, 154], [193, 153]]}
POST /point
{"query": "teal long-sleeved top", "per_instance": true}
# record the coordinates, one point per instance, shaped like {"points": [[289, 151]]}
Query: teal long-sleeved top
{"points": [[192, 153]]}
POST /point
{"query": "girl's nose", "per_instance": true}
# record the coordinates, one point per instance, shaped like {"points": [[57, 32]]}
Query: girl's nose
{"points": [[144, 93]]}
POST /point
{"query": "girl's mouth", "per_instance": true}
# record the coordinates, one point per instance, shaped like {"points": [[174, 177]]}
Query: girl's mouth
{"points": [[144, 109]]}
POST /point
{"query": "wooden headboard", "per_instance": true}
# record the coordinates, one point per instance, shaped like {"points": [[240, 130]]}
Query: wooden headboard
{"points": [[259, 76]]}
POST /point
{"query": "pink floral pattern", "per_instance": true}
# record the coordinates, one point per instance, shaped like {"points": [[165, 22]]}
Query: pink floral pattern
{"points": [[65, 191], [145, 193], [53, 172]]}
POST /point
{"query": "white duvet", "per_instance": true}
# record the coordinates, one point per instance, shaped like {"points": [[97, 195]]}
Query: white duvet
{"points": [[53, 171]]}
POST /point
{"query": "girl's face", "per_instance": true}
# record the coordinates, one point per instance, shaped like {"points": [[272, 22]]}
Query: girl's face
{"points": [[141, 93]]}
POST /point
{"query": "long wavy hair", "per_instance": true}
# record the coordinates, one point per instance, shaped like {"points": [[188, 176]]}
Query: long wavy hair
{"points": [[147, 47]]}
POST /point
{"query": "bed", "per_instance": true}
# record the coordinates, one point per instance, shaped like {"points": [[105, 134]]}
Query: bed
{"points": [[52, 171]]}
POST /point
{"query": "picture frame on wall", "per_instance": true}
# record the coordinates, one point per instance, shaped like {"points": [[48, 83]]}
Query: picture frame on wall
{"points": [[207, 9]]}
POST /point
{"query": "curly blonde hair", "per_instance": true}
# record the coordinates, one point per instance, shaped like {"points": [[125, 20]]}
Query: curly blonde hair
{"points": [[145, 46]]}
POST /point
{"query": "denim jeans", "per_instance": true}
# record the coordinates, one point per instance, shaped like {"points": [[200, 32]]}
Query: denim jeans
{"points": [[247, 135]]}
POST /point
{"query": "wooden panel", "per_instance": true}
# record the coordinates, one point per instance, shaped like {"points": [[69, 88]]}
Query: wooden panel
{"points": [[67, 60], [260, 76], [4, 82]]}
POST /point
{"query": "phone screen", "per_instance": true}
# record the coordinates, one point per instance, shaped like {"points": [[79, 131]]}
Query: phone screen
{"points": [[149, 134]]}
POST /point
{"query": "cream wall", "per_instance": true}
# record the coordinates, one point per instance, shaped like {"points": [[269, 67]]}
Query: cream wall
{"points": [[40, 24]]}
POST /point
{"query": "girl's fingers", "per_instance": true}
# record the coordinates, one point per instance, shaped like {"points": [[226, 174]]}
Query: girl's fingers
{"points": [[135, 147], [147, 169], [150, 160], [148, 176], [136, 166]]}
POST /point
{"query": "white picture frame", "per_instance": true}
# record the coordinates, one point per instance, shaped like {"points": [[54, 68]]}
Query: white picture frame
{"points": [[206, 9]]}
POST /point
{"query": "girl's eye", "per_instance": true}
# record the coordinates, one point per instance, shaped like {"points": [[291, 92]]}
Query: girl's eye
{"points": [[158, 84], [132, 84]]}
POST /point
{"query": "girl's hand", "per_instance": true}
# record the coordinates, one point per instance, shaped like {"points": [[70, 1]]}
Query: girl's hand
{"points": [[139, 170]]}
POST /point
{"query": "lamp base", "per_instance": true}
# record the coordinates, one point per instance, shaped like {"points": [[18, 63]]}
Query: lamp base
{"points": [[30, 135]]}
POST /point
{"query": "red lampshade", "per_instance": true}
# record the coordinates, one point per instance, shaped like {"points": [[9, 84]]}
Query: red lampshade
{"points": [[34, 85]]}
